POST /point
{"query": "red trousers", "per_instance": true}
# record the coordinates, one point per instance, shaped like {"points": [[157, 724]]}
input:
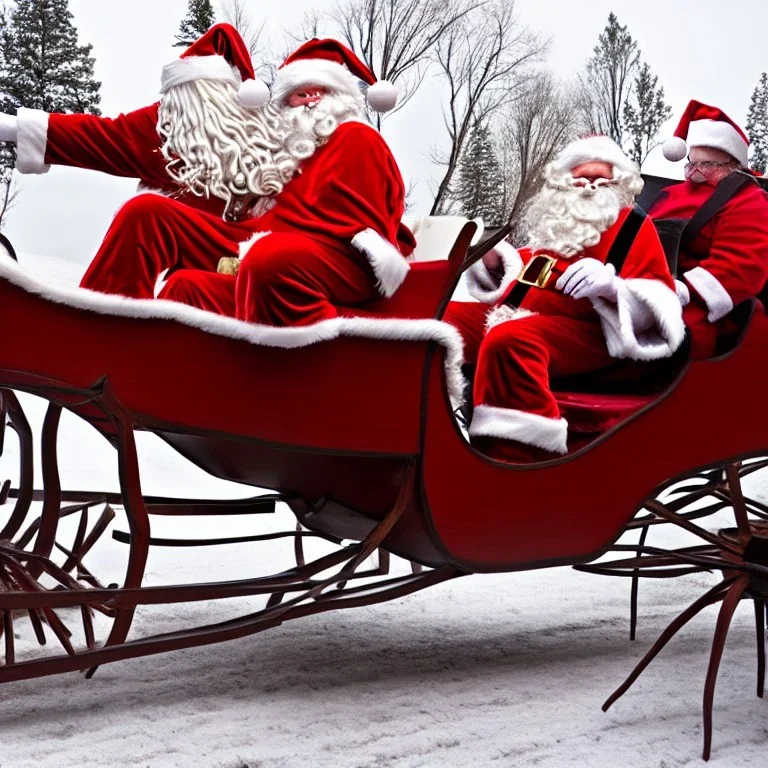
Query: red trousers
{"points": [[286, 278], [150, 234], [516, 416]]}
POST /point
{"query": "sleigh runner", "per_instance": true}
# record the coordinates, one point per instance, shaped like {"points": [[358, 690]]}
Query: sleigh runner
{"points": [[375, 456]]}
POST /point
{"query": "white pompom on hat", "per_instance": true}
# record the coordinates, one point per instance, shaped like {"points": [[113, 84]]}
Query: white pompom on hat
{"points": [[330, 64], [220, 54], [704, 126]]}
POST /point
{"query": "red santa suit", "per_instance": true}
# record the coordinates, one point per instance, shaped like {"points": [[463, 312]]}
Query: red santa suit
{"points": [[518, 351], [727, 262]]}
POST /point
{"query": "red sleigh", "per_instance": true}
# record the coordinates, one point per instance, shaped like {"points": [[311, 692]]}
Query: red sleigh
{"points": [[352, 423]]}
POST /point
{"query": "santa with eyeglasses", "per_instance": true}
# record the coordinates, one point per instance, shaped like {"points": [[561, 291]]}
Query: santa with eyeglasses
{"points": [[293, 187], [722, 259], [591, 286]]}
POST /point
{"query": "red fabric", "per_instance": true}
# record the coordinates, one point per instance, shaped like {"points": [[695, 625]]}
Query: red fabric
{"points": [[224, 40], [333, 51], [152, 233], [286, 279], [732, 247]]}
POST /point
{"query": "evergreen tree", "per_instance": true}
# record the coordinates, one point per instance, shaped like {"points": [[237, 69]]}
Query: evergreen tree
{"points": [[645, 111], [200, 18], [757, 126], [479, 189], [43, 67]]}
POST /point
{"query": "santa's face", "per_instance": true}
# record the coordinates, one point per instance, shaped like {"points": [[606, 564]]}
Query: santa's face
{"points": [[574, 208], [306, 96], [707, 165]]}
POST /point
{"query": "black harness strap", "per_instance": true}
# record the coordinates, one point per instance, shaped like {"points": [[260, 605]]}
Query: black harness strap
{"points": [[730, 186], [627, 234]]}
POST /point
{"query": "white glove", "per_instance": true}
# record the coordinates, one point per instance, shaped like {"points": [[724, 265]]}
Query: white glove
{"points": [[683, 294], [589, 279], [9, 128]]}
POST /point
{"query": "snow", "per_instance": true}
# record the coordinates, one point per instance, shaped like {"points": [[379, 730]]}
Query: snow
{"points": [[495, 670]]}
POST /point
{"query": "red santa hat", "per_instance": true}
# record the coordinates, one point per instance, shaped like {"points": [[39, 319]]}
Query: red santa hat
{"points": [[331, 64], [705, 126], [592, 149], [220, 54]]}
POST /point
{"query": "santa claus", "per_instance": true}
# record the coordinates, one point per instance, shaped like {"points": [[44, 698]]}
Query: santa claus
{"points": [[332, 239], [558, 306], [220, 158], [723, 213]]}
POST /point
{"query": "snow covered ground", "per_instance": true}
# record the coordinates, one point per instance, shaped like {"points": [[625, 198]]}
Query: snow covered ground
{"points": [[499, 670]]}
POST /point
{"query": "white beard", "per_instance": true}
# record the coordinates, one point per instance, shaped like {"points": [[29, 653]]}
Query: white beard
{"points": [[215, 147], [565, 219]]}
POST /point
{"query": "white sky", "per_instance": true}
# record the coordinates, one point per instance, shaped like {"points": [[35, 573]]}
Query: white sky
{"points": [[697, 49]]}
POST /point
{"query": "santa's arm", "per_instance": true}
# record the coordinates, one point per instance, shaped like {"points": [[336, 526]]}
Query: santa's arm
{"points": [[127, 145], [736, 267], [362, 197], [644, 319]]}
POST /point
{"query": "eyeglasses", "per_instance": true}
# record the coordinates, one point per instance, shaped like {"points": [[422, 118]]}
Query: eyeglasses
{"points": [[705, 165]]}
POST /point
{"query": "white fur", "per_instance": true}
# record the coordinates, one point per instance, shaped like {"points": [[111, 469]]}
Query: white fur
{"points": [[263, 335], [503, 314], [645, 323], [593, 149], [674, 149], [193, 68], [388, 264], [512, 424], [306, 72], [246, 245], [381, 96], [719, 135], [718, 301], [32, 141], [484, 285]]}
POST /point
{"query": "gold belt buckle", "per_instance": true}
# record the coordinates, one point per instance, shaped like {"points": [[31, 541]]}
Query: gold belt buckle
{"points": [[537, 271]]}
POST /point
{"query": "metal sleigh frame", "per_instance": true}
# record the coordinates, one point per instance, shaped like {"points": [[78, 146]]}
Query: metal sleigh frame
{"points": [[410, 525]]}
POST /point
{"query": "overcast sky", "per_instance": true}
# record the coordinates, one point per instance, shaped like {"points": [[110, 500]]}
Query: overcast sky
{"points": [[710, 50]]}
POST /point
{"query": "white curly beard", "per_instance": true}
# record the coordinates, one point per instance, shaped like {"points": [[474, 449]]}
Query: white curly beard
{"points": [[565, 219], [217, 148]]}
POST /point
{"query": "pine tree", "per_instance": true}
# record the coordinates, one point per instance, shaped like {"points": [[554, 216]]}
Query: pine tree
{"points": [[43, 66], [200, 18], [645, 111], [479, 190], [757, 126]]}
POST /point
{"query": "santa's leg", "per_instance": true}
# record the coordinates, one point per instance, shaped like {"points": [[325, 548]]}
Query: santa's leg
{"points": [[150, 234], [289, 279], [468, 317], [516, 417], [201, 289]]}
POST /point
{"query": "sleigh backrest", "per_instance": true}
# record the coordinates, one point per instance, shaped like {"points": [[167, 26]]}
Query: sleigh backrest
{"points": [[436, 235]]}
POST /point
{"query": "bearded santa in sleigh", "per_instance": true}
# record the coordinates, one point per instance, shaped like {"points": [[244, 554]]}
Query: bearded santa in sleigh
{"points": [[297, 195]]}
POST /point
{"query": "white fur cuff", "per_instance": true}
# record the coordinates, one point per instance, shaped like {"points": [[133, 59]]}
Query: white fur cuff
{"points": [[388, 264], [717, 299], [484, 285], [32, 141], [529, 428], [246, 245]]}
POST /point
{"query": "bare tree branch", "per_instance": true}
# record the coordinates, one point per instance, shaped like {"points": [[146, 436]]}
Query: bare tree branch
{"points": [[484, 59], [236, 13]]}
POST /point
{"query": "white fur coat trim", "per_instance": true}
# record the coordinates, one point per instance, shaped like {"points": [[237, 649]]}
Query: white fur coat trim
{"points": [[192, 68], [32, 141], [306, 72], [246, 245], [287, 338], [484, 285], [388, 264], [718, 301], [645, 323], [504, 314], [529, 428]]}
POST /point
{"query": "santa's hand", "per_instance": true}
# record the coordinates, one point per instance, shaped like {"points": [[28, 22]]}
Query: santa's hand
{"points": [[683, 294], [9, 127], [589, 279]]}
